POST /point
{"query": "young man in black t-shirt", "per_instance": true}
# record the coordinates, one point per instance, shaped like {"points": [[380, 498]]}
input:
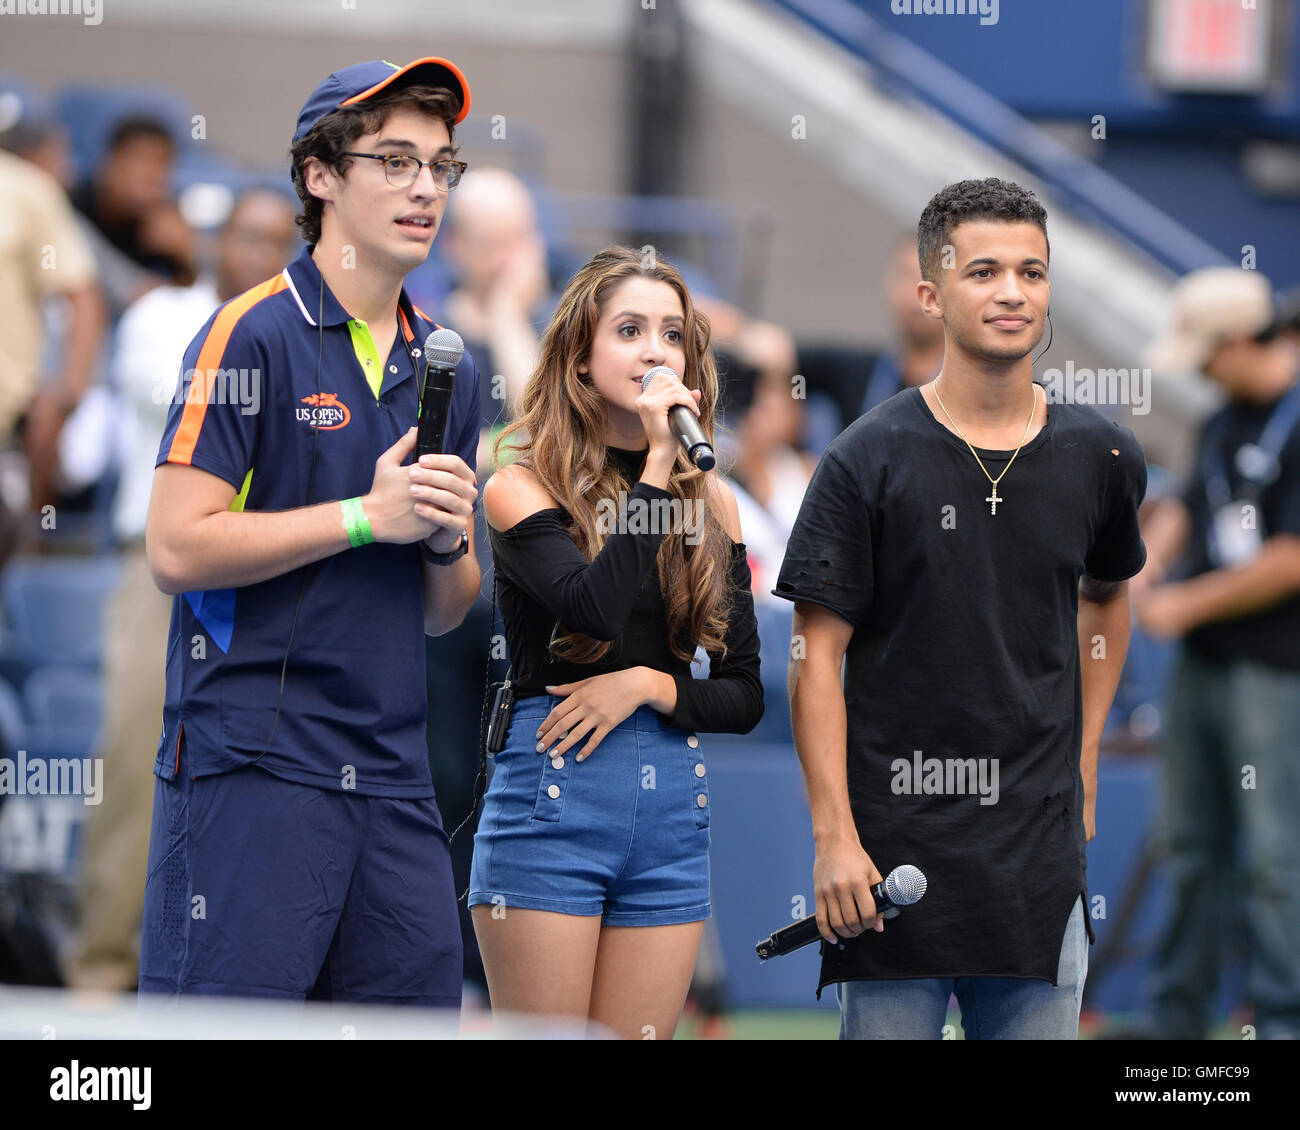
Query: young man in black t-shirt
{"points": [[965, 548], [1230, 769]]}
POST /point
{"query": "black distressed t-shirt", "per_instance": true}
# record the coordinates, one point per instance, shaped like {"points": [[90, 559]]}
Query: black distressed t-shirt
{"points": [[543, 579], [962, 679]]}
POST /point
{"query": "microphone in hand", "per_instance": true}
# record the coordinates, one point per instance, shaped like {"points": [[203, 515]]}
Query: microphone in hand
{"points": [[685, 425], [903, 886], [443, 350]]}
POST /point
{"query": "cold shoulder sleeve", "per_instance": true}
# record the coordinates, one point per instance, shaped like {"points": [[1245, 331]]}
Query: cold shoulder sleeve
{"points": [[595, 597]]}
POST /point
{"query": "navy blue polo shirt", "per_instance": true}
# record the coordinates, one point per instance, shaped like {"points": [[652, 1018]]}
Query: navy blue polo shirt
{"points": [[353, 713]]}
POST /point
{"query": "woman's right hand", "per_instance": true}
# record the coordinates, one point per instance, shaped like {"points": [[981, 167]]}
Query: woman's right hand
{"points": [[654, 404]]}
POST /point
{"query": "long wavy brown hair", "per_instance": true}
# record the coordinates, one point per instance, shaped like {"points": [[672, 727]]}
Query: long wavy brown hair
{"points": [[560, 434]]}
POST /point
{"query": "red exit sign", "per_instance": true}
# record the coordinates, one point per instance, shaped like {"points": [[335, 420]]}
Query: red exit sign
{"points": [[1214, 46]]}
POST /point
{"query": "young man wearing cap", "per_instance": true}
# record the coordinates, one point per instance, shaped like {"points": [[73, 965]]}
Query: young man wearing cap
{"points": [[1231, 777], [296, 849], [962, 546]]}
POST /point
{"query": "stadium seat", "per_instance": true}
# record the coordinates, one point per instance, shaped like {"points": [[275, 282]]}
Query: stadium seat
{"points": [[63, 696], [49, 742], [55, 607], [62, 707], [12, 723]]}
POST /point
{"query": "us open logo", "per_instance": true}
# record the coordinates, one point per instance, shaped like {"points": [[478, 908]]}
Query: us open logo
{"points": [[326, 412]]}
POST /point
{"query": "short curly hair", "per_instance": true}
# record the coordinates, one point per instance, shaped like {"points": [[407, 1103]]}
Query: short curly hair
{"points": [[988, 199], [336, 132]]}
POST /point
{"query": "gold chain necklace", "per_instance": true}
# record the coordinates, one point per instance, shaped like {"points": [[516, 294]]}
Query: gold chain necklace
{"points": [[994, 498]]}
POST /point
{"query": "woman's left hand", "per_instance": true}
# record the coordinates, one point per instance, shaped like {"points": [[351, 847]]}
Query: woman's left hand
{"points": [[591, 708]]}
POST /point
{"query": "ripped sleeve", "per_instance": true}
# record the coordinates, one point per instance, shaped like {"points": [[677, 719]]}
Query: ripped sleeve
{"points": [[828, 559]]}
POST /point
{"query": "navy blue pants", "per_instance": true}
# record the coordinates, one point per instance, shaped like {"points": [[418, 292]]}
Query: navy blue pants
{"points": [[263, 887]]}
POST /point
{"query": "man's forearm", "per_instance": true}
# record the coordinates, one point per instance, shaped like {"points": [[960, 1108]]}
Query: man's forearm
{"points": [[234, 548], [1104, 626], [449, 591], [1224, 594], [820, 724], [514, 350], [82, 345], [52, 406]]}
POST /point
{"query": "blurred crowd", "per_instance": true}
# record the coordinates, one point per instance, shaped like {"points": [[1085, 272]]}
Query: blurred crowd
{"points": [[103, 283]]}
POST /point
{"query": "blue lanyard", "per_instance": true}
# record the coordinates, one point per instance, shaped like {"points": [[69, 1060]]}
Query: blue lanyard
{"points": [[1257, 463]]}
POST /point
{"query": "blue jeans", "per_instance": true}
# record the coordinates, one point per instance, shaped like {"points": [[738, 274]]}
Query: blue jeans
{"points": [[1222, 831], [992, 1008]]}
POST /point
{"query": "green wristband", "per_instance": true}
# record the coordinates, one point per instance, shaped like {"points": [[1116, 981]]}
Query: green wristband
{"points": [[356, 523]]}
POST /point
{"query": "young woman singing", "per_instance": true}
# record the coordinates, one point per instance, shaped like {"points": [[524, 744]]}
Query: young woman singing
{"points": [[615, 558]]}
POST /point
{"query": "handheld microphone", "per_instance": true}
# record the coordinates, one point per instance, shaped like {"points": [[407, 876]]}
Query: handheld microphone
{"points": [[443, 350], [903, 886], [685, 425]]}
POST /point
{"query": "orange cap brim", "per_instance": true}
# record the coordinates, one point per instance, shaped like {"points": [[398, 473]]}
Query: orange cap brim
{"points": [[435, 60]]}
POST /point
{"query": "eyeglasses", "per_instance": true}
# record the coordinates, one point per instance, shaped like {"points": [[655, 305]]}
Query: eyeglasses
{"points": [[402, 170]]}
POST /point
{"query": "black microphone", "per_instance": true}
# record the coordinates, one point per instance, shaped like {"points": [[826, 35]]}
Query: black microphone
{"points": [[903, 886], [685, 425], [443, 350]]}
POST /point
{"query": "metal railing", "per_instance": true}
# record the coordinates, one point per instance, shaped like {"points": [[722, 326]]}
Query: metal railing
{"points": [[1092, 194]]}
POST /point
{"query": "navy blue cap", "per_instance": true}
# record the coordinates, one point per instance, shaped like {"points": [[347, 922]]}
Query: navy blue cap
{"points": [[357, 83]]}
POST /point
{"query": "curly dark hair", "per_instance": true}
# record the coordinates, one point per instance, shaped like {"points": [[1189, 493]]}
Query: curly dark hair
{"points": [[988, 199], [338, 130]]}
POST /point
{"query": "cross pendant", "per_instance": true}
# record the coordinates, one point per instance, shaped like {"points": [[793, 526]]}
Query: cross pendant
{"points": [[993, 500]]}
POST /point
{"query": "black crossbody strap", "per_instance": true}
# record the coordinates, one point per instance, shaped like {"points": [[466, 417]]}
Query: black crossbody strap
{"points": [[480, 779]]}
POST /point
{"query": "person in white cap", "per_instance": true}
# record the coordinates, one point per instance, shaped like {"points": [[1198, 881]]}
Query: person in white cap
{"points": [[1231, 775]]}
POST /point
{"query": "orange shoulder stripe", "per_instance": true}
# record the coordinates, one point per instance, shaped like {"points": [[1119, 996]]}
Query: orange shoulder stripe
{"points": [[210, 354]]}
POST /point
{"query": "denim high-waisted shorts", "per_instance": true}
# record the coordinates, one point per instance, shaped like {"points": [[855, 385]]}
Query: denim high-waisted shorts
{"points": [[623, 834]]}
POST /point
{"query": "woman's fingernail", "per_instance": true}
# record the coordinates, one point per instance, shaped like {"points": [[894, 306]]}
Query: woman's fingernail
{"points": [[538, 735], [580, 757], [541, 747]]}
